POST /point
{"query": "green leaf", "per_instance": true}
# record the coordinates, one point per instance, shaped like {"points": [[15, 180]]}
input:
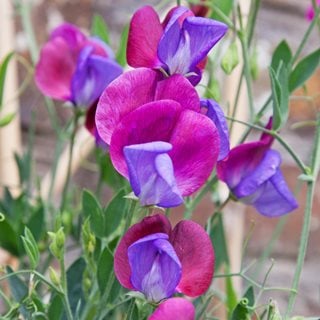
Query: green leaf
{"points": [[3, 72], [243, 309], [230, 59], [225, 6], [100, 29], [280, 96], [105, 269], [92, 210], [8, 238], [55, 307], [36, 222], [231, 294], [122, 50], [114, 212], [31, 247], [219, 241], [304, 70], [281, 53], [7, 119]]}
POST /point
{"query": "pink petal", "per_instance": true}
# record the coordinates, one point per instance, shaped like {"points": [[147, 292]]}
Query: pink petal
{"points": [[123, 95], [149, 225], [194, 249], [55, 69], [195, 142], [174, 309], [144, 35], [154, 121], [178, 88]]}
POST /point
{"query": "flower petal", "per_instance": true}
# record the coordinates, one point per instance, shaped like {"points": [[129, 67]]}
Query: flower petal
{"points": [[264, 171], [276, 199], [92, 75], [155, 267], [215, 113], [174, 309], [144, 35], [149, 225], [71, 34], [153, 121], [151, 174], [194, 249], [195, 142], [128, 92]]}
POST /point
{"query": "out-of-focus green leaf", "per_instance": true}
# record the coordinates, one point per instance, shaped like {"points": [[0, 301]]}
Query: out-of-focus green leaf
{"points": [[8, 238], [281, 53], [242, 310], [55, 307], [232, 298], [100, 29], [3, 72], [36, 222], [304, 70], [92, 210], [121, 53], [224, 5], [280, 96], [113, 213], [31, 247], [7, 119], [105, 269]]}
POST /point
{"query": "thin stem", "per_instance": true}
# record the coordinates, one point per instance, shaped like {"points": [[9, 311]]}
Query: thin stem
{"points": [[315, 163], [64, 286]]}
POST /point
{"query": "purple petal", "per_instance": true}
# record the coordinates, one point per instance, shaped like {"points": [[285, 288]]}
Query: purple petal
{"points": [[176, 14], [194, 249], [92, 75], [55, 68], [151, 174], [155, 267], [215, 113], [195, 142], [174, 309], [128, 92], [144, 35], [264, 171], [275, 197], [153, 121]]}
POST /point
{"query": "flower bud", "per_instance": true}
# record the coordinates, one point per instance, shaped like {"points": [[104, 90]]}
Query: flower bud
{"points": [[54, 277]]}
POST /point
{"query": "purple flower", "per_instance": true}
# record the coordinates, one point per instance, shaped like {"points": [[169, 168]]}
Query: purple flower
{"points": [[310, 11], [178, 45], [75, 68], [174, 309], [158, 138], [252, 172], [158, 261]]}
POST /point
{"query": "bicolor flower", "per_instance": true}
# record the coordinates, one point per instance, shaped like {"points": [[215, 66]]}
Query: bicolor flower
{"points": [[159, 262], [75, 68], [179, 44], [252, 172], [174, 309], [158, 138]]}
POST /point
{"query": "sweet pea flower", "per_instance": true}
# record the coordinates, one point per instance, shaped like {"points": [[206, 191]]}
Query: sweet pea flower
{"points": [[310, 11], [75, 68], [174, 309], [252, 172], [159, 262], [158, 138], [179, 44]]}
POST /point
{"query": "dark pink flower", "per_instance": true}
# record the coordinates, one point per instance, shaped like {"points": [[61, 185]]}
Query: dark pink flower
{"points": [[310, 11], [157, 135], [174, 309], [178, 45], [158, 261]]}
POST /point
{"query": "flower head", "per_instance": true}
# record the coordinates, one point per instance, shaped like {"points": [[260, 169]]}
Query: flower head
{"points": [[252, 172], [310, 11], [158, 137], [178, 45], [174, 309], [75, 68], [158, 261]]}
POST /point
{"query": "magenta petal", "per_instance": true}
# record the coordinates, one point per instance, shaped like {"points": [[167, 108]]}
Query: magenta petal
{"points": [[194, 249], [153, 121], [195, 142], [174, 309], [128, 92], [178, 88], [151, 174], [55, 69], [149, 225], [144, 35]]}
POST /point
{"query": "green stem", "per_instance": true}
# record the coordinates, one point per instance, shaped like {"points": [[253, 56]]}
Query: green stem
{"points": [[72, 140], [315, 163], [64, 286]]}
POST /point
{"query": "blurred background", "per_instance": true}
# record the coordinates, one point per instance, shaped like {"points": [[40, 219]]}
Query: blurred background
{"points": [[277, 20]]}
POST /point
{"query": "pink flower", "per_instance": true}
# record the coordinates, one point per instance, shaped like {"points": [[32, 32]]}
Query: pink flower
{"points": [[310, 11]]}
